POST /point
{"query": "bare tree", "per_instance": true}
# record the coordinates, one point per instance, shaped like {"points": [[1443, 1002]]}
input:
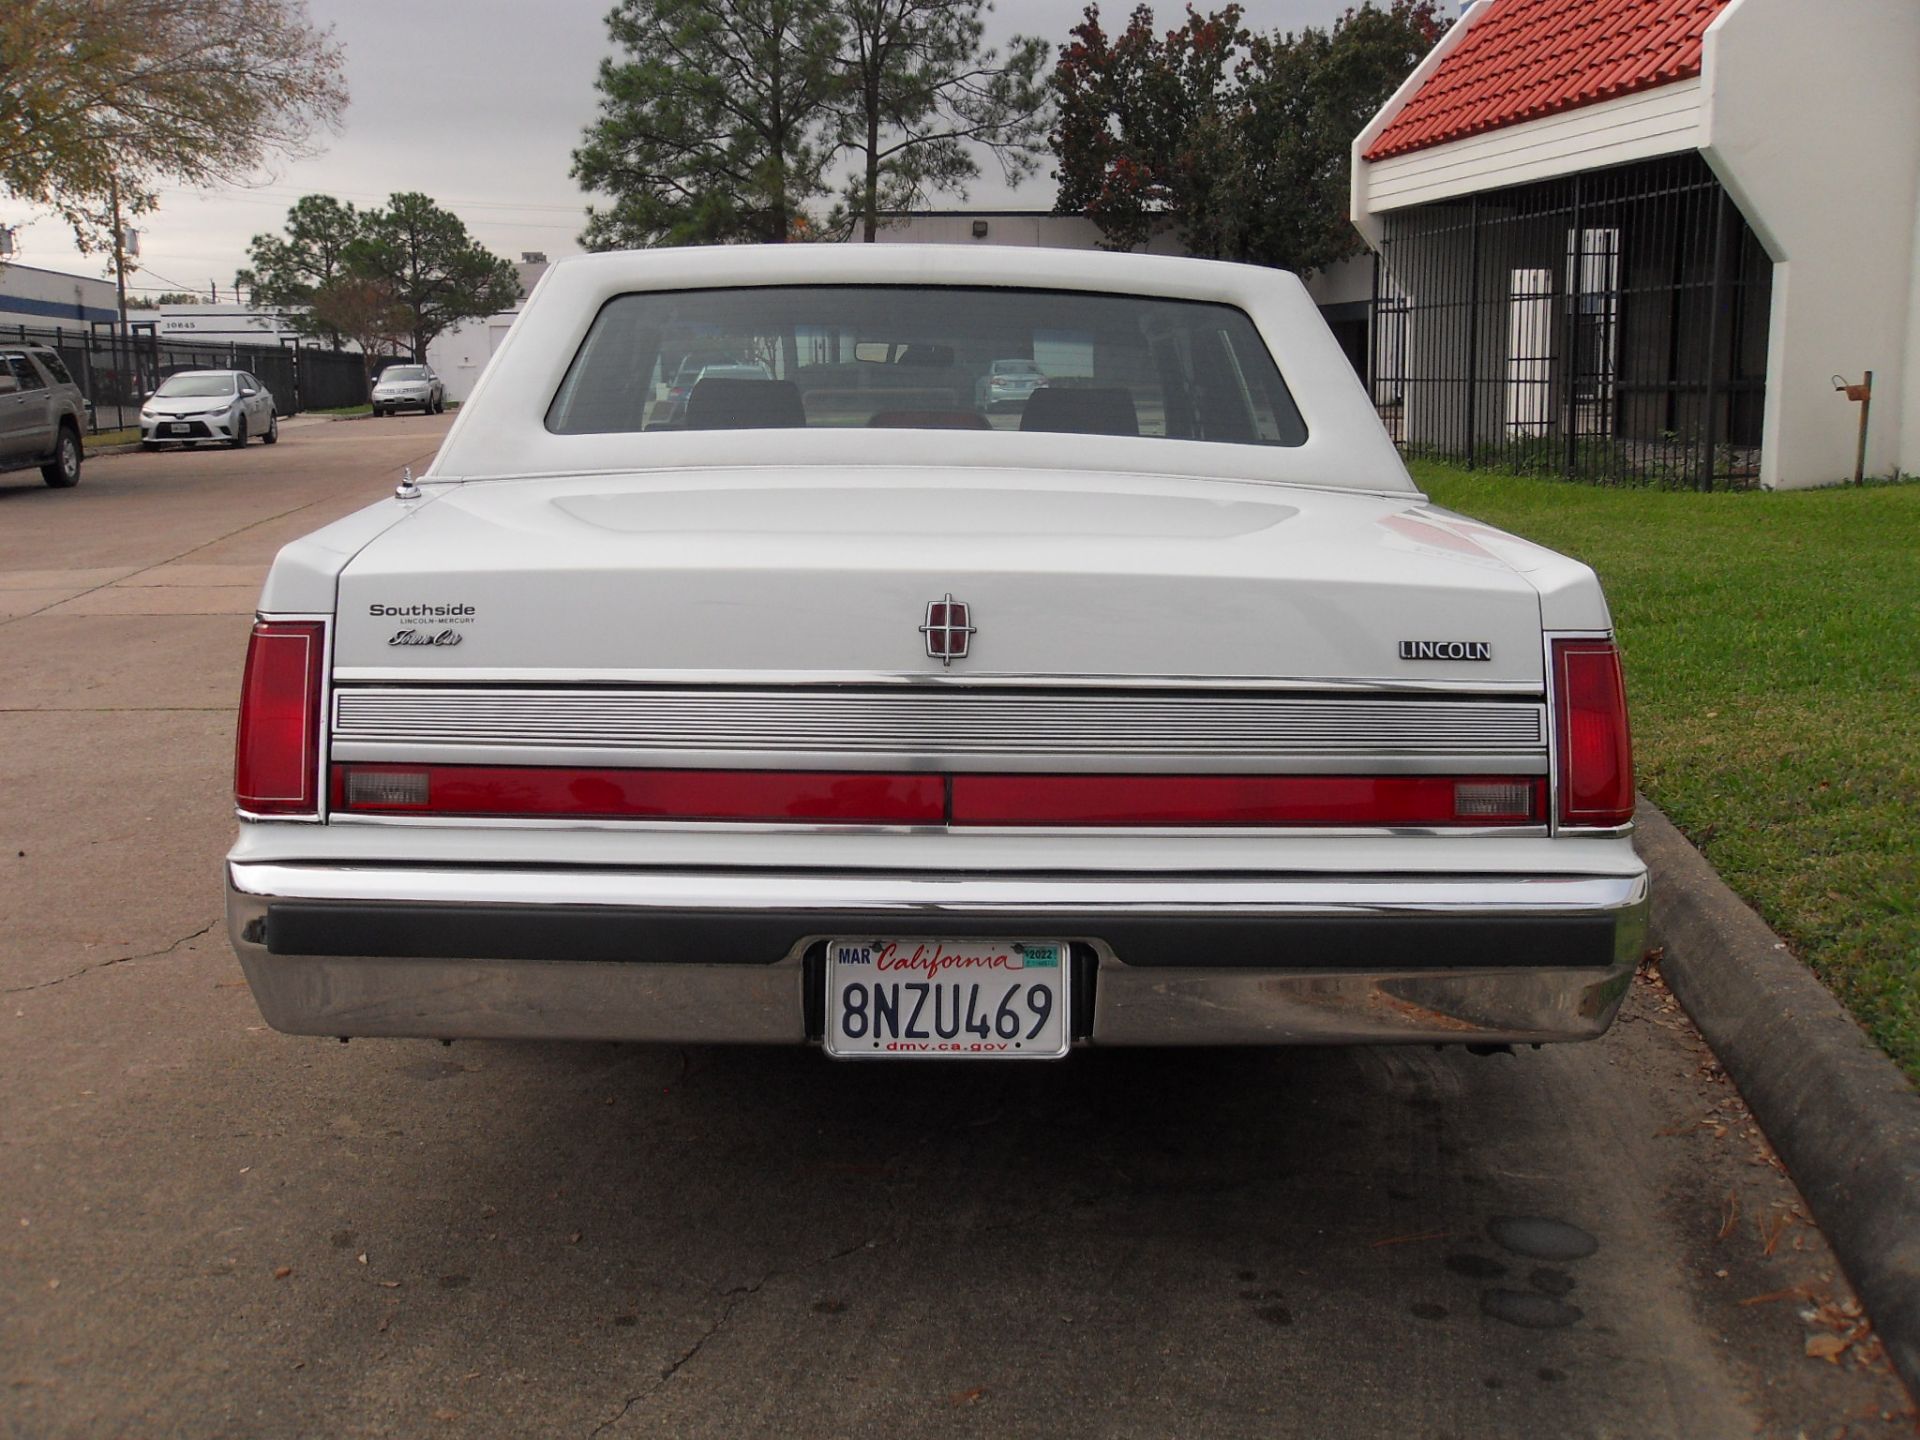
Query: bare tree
{"points": [[138, 94], [922, 92], [367, 312]]}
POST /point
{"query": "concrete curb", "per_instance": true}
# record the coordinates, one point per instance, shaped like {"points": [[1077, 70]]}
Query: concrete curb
{"points": [[1839, 1112]]}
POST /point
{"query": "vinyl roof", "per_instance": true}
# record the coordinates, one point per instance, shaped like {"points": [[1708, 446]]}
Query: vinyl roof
{"points": [[1524, 59]]}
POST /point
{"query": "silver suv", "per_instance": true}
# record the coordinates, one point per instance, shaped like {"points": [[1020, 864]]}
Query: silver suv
{"points": [[42, 414], [408, 387]]}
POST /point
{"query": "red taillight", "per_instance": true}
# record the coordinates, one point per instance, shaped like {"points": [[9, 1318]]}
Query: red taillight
{"points": [[818, 796], [277, 750], [1590, 729], [1247, 800], [881, 799]]}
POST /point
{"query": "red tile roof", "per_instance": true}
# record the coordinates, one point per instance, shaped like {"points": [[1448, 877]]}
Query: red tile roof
{"points": [[1527, 58]]}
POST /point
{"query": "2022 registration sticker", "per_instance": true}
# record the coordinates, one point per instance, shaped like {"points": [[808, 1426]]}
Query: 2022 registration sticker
{"points": [[901, 998]]}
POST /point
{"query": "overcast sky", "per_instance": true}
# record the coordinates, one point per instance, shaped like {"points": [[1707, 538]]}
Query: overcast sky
{"points": [[480, 103]]}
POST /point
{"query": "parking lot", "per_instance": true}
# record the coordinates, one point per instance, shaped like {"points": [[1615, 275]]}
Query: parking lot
{"points": [[213, 1229]]}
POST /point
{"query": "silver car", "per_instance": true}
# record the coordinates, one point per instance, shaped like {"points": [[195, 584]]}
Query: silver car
{"points": [[197, 406], [1010, 382], [409, 387], [42, 414]]}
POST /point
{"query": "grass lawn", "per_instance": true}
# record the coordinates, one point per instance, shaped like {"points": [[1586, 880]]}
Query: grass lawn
{"points": [[113, 437], [1772, 650]]}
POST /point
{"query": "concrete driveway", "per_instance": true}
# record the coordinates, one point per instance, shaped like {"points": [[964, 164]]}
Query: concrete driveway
{"points": [[209, 1229]]}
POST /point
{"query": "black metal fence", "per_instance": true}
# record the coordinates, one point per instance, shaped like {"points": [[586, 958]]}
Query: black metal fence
{"points": [[1608, 326], [117, 369]]}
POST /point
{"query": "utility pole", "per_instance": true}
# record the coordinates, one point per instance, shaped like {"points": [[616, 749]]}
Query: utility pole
{"points": [[119, 248]]}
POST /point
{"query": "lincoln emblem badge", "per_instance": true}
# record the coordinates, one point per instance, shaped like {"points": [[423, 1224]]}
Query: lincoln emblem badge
{"points": [[949, 627]]}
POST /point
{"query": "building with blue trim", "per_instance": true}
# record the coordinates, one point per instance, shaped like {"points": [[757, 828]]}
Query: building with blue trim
{"points": [[49, 299]]}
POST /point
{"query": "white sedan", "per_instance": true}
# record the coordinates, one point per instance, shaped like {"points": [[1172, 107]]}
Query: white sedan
{"points": [[1167, 711], [196, 406]]}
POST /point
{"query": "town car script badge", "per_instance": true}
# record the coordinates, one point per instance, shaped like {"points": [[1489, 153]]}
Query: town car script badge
{"points": [[949, 628]]}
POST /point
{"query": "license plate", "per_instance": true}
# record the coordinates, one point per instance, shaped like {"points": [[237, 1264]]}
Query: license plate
{"points": [[892, 999], [179, 429]]}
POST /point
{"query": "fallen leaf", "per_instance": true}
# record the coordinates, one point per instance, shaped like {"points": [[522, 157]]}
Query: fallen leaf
{"points": [[574, 1238], [446, 1415], [1407, 1239], [1795, 1292], [361, 1257], [1827, 1347], [1779, 1228], [283, 1272], [967, 1397], [1731, 1220], [389, 1284]]}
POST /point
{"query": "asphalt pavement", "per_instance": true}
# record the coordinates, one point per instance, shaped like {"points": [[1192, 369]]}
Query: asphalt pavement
{"points": [[210, 1229]]}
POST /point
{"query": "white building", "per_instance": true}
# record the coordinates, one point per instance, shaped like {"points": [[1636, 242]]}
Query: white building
{"points": [[459, 355], [1646, 237], [210, 324], [52, 299]]}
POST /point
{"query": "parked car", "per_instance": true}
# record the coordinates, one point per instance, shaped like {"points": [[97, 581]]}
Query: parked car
{"points": [[1008, 382], [674, 407], [409, 387], [192, 407], [1175, 715], [42, 415]]}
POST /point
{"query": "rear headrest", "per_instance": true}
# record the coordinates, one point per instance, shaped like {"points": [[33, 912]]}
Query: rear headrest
{"points": [[724, 404], [1081, 412]]}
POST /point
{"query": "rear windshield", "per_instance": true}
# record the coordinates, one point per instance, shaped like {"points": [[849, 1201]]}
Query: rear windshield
{"points": [[191, 385], [905, 357]]}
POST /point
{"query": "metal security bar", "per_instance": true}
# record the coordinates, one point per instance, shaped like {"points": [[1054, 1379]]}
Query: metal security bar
{"points": [[1608, 326]]}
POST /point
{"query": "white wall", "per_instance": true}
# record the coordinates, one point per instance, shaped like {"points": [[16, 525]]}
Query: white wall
{"points": [[53, 299], [458, 356], [217, 324], [1661, 121], [1812, 122]]}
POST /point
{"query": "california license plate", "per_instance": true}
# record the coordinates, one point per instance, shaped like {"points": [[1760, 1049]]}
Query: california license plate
{"points": [[178, 429], [892, 998]]}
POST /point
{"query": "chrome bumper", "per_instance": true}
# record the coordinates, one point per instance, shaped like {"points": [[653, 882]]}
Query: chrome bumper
{"points": [[607, 955]]}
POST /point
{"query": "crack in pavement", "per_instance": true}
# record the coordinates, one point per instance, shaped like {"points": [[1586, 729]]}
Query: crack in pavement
{"points": [[735, 1298], [117, 960]]}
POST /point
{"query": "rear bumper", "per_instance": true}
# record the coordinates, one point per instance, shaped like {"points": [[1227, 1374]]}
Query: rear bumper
{"points": [[732, 957]]}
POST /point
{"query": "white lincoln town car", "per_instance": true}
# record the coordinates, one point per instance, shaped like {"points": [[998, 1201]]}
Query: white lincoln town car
{"points": [[824, 704]]}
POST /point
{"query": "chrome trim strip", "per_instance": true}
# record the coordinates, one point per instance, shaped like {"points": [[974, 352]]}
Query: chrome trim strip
{"points": [[910, 679], [959, 728], [796, 828], [896, 899]]}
